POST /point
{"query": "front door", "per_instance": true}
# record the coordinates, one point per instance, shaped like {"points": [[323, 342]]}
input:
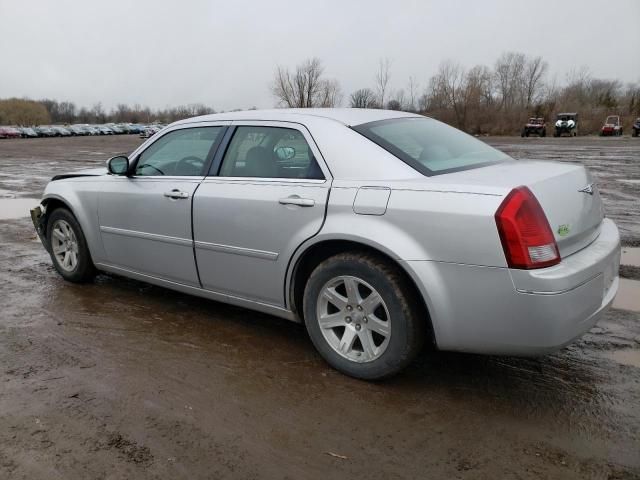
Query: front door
{"points": [[145, 219], [268, 197]]}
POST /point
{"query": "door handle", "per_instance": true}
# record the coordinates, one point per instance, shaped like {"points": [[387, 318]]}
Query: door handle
{"points": [[297, 200], [176, 194]]}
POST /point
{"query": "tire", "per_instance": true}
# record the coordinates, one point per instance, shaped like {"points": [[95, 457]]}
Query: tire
{"points": [[73, 246], [386, 355]]}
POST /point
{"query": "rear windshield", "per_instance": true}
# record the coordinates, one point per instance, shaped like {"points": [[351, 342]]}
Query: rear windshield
{"points": [[429, 146]]}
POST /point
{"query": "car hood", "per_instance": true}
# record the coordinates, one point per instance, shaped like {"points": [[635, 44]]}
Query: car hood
{"points": [[90, 172]]}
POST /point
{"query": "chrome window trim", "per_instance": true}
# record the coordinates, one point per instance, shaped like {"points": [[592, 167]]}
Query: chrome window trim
{"points": [[261, 180], [186, 178]]}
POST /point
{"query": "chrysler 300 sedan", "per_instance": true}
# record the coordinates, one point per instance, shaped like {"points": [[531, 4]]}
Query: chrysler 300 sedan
{"points": [[378, 230]]}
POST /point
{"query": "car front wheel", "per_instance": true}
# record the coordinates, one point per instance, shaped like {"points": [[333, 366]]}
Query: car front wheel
{"points": [[361, 316], [68, 247]]}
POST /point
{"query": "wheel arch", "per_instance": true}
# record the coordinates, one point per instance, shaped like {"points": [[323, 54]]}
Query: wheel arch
{"points": [[53, 200], [51, 203], [308, 258]]}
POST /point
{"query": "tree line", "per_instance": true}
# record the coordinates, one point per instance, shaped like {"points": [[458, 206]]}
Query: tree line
{"points": [[16, 111], [483, 99]]}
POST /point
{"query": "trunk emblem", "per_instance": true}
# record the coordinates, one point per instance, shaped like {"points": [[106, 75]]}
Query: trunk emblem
{"points": [[563, 230], [588, 189]]}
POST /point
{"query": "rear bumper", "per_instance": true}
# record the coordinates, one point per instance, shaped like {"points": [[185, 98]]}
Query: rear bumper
{"points": [[519, 312]]}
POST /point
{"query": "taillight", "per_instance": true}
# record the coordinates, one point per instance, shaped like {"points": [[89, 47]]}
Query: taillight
{"points": [[526, 237]]}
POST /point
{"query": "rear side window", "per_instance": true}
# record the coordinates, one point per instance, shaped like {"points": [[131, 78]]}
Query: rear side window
{"points": [[429, 146], [269, 152]]}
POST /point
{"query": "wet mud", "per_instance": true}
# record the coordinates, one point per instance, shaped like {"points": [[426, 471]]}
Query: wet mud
{"points": [[119, 379]]}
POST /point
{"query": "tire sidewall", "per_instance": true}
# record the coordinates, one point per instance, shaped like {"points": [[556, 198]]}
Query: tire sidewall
{"points": [[398, 352], [84, 268]]}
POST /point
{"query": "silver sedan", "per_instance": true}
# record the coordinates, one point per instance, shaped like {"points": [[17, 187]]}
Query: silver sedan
{"points": [[378, 230]]}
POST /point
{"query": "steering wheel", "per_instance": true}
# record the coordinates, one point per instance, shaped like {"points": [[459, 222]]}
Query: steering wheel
{"points": [[193, 162], [144, 165]]}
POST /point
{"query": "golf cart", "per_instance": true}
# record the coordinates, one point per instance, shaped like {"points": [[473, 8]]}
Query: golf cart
{"points": [[535, 126], [612, 127], [566, 123]]}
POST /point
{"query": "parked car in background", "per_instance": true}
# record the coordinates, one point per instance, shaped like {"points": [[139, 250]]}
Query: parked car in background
{"points": [[151, 130], [566, 124], [135, 128], [636, 127], [45, 132], [104, 130], [91, 130], [535, 126], [78, 130], [60, 131], [116, 129], [612, 127], [28, 132], [378, 230], [10, 132]]}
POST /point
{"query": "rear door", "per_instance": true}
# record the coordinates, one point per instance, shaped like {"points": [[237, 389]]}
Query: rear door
{"points": [[145, 218], [266, 197]]}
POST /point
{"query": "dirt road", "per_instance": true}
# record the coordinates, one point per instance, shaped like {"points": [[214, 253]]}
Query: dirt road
{"points": [[119, 379]]}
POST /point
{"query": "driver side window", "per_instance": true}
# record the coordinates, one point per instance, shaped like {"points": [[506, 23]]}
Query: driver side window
{"points": [[179, 153]]}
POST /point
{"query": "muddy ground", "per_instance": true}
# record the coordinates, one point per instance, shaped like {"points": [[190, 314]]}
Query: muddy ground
{"points": [[119, 379]]}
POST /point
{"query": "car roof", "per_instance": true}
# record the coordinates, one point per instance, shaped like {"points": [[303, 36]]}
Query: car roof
{"points": [[346, 116]]}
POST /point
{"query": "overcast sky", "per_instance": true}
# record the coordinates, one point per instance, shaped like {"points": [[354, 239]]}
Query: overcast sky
{"points": [[223, 53]]}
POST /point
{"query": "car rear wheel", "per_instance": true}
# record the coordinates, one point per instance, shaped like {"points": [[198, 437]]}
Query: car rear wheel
{"points": [[68, 247], [361, 316]]}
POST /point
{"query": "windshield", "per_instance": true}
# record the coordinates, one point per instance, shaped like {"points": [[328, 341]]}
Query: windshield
{"points": [[429, 146]]}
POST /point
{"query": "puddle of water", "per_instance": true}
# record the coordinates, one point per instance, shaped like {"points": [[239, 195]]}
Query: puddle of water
{"points": [[625, 357], [628, 297], [630, 256], [16, 207], [6, 193]]}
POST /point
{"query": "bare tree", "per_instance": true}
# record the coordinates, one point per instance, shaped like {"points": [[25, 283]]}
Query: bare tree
{"points": [[305, 87], [97, 112], [330, 94], [534, 71], [413, 91], [398, 102], [382, 79], [509, 72], [363, 98], [448, 90]]}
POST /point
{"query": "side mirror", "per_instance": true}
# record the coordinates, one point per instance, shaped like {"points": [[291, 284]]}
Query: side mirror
{"points": [[285, 153], [118, 165]]}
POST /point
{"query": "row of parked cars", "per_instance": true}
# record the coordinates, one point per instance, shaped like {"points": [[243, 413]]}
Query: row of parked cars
{"points": [[145, 131], [567, 124]]}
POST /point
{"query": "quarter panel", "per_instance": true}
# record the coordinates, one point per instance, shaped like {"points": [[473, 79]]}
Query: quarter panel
{"points": [[421, 225]]}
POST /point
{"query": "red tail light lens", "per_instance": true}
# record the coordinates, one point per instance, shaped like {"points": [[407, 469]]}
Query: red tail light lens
{"points": [[526, 237]]}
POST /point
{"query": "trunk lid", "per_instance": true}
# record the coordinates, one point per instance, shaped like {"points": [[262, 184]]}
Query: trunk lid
{"points": [[566, 192]]}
